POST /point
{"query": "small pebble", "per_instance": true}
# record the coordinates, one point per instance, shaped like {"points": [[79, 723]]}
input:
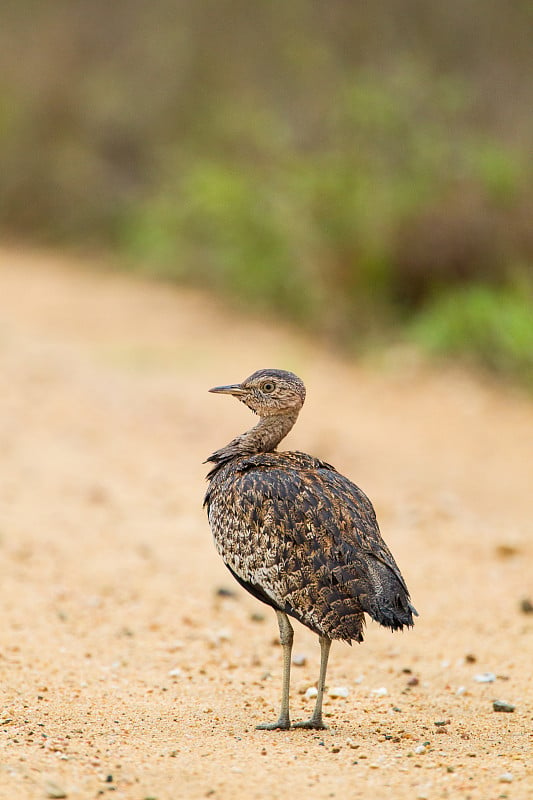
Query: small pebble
{"points": [[485, 677], [175, 673], [420, 749], [506, 777], [413, 681], [215, 638], [55, 791], [350, 743], [299, 660], [223, 591], [311, 692], [339, 691], [381, 692], [460, 690], [506, 550], [526, 606], [502, 705], [470, 658]]}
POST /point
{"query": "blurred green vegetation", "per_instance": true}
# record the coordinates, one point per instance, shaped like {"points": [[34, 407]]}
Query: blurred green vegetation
{"points": [[489, 326], [364, 170]]}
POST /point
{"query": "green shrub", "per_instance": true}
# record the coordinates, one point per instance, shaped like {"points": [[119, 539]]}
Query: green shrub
{"points": [[485, 325]]}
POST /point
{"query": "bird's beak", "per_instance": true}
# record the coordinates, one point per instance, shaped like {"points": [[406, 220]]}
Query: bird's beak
{"points": [[235, 389]]}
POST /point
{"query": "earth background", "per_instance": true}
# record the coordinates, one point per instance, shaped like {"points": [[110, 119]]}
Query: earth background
{"points": [[126, 672]]}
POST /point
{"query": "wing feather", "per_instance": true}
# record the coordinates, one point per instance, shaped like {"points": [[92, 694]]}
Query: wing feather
{"points": [[299, 532]]}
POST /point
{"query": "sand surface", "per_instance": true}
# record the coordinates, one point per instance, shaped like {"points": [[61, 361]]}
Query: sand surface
{"points": [[124, 672]]}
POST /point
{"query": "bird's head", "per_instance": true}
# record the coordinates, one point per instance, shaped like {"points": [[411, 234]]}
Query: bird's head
{"points": [[268, 392]]}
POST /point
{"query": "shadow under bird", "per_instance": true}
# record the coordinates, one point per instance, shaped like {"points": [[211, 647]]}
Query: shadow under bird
{"points": [[297, 534]]}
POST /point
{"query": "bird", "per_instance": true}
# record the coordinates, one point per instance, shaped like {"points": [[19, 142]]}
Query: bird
{"points": [[298, 535]]}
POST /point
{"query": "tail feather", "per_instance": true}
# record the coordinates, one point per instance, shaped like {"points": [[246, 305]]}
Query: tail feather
{"points": [[390, 603], [395, 615]]}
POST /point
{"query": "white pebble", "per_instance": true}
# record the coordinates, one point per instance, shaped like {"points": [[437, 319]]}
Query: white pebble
{"points": [[299, 660], [381, 692], [460, 690], [485, 677], [53, 790], [311, 692], [506, 777], [175, 673], [215, 638], [419, 749], [339, 691], [351, 743]]}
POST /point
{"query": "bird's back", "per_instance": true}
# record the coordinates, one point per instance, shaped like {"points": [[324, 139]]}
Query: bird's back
{"points": [[304, 539]]}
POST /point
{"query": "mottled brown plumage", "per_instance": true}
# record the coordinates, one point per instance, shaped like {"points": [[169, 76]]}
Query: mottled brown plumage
{"points": [[297, 534]]}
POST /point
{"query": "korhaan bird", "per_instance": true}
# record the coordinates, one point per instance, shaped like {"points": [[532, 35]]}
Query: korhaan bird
{"points": [[297, 534]]}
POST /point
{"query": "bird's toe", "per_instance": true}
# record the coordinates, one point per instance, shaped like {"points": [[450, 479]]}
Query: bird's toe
{"points": [[311, 724], [282, 724]]}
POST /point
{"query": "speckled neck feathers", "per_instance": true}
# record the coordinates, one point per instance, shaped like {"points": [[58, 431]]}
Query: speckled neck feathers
{"points": [[263, 438]]}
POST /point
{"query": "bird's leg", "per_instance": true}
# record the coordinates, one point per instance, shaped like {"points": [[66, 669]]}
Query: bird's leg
{"points": [[316, 722], [286, 636]]}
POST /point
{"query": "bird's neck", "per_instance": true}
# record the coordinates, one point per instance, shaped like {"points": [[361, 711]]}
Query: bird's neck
{"points": [[263, 438]]}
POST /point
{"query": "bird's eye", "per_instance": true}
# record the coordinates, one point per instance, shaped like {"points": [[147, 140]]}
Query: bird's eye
{"points": [[268, 387]]}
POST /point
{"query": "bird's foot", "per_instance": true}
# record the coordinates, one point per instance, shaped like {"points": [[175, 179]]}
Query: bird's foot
{"points": [[283, 724], [313, 724]]}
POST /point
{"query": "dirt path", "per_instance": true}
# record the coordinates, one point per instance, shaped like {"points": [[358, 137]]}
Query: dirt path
{"points": [[124, 674]]}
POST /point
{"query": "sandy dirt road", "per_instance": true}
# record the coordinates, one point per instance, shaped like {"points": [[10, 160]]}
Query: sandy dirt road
{"points": [[123, 672]]}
